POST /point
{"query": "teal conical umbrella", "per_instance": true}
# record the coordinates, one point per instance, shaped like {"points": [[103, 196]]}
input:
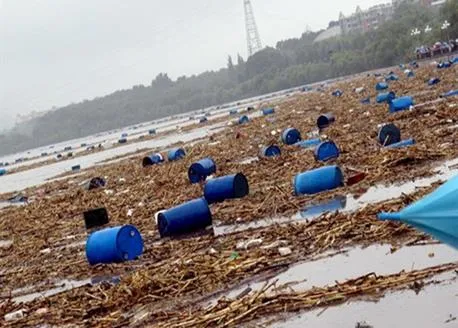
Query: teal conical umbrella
{"points": [[436, 214]]}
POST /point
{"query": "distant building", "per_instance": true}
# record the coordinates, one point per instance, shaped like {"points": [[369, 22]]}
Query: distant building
{"points": [[367, 20]]}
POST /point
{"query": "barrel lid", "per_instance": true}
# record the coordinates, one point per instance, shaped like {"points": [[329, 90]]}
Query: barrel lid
{"points": [[389, 134], [129, 243]]}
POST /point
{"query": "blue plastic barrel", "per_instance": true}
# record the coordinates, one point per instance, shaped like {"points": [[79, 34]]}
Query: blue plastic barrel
{"points": [[112, 245], [152, 132], [152, 159], [325, 120], [403, 143], [389, 134], [227, 187], [268, 111], [189, 217], [337, 93], [290, 136], [401, 103], [318, 180], [309, 143], [381, 86], [451, 93], [326, 151], [385, 97], [76, 167], [203, 120], [271, 151], [365, 101], [243, 119], [391, 77], [433, 81], [122, 140], [176, 154], [2, 171], [410, 74], [200, 170]]}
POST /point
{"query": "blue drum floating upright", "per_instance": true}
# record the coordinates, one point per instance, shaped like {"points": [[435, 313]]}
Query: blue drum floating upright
{"points": [[389, 134], [113, 245], [2, 171], [318, 180], [176, 154], [325, 120], [152, 159], [243, 119], [270, 151], [227, 187], [186, 218], [326, 151], [290, 136], [200, 170]]}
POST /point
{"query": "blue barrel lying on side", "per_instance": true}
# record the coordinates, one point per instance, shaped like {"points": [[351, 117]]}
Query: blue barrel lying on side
{"points": [[400, 104], [326, 151], [2, 171], [389, 134], [114, 245], [381, 86], [433, 81], [268, 111], [152, 159], [152, 132], [325, 120], [403, 143], [243, 119], [450, 93], [189, 217], [200, 170], [391, 77], [176, 154], [227, 187], [318, 180], [270, 151], [385, 97], [290, 136], [309, 143]]}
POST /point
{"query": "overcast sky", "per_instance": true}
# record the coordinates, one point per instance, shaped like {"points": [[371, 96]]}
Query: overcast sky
{"points": [[54, 52]]}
